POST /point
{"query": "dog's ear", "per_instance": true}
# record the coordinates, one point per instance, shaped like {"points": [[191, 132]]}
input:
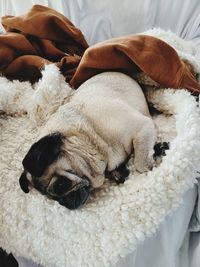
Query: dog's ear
{"points": [[43, 153], [24, 182]]}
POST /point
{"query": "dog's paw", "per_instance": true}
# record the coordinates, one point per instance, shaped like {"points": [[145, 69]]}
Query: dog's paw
{"points": [[119, 175], [160, 148]]}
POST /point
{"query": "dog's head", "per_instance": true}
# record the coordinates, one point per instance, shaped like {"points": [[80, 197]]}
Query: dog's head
{"points": [[48, 168]]}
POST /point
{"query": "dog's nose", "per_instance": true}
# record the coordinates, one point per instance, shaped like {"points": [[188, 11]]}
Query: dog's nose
{"points": [[75, 199], [61, 186]]}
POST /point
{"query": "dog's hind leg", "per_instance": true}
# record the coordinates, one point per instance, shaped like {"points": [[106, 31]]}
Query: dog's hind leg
{"points": [[143, 144]]}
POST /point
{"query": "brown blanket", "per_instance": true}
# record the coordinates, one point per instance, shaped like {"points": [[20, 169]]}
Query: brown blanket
{"points": [[40, 37], [43, 36]]}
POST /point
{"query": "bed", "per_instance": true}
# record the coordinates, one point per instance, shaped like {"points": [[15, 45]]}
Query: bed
{"points": [[176, 242]]}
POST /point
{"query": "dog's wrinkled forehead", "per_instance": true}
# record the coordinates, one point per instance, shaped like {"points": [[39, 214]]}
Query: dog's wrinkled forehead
{"points": [[43, 153]]}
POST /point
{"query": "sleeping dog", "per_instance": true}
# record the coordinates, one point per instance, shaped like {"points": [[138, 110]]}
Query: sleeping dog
{"points": [[90, 136]]}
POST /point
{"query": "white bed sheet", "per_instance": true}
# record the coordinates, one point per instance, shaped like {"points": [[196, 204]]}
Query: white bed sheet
{"points": [[100, 20], [173, 245]]}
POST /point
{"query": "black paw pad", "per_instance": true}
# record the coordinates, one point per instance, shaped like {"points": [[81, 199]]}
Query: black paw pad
{"points": [[160, 149], [119, 175]]}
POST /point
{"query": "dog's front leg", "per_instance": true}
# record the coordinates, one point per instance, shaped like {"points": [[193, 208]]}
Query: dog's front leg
{"points": [[143, 145]]}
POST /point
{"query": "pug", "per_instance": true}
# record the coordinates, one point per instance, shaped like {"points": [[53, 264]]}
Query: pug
{"points": [[89, 138]]}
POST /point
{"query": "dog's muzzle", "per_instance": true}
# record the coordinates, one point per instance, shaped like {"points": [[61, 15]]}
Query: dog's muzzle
{"points": [[75, 198], [76, 195]]}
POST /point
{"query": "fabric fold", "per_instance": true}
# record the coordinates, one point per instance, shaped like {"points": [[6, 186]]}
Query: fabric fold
{"points": [[42, 32], [44, 36], [136, 53]]}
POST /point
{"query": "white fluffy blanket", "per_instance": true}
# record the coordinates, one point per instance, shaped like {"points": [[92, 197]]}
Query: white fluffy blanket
{"points": [[117, 217]]}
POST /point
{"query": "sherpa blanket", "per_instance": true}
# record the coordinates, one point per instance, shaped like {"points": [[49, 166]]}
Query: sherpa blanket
{"points": [[117, 217], [43, 36]]}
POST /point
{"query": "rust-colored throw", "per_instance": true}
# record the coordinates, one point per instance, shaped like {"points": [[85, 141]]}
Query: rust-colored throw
{"points": [[40, 37], [43, 36], [133, 53]]}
